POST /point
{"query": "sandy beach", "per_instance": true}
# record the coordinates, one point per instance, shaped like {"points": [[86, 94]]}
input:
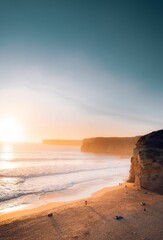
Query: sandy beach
{"points": [[97, 220]]}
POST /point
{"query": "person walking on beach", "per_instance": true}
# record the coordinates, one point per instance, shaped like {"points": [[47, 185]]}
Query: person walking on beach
{"points": [[85, 203]]}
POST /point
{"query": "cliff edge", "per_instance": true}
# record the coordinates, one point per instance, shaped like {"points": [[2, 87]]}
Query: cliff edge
{"points": [[147, 162], [111, 145]]}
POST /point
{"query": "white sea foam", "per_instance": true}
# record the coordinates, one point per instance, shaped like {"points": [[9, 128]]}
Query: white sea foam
{"points": [[32, 170]]}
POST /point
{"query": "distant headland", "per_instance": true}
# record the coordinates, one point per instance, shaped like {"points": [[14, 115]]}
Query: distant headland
{"points": [[62, 142], [110, 145]]}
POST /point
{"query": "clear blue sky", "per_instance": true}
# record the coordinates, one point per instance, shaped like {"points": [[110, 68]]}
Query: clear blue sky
{"points": [[77, 68]]}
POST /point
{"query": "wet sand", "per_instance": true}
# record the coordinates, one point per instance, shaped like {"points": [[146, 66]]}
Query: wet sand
{"points": [[96, 221]]}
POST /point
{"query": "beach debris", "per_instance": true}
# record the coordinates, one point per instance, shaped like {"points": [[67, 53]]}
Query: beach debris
{"points": [[144, 209], [50, 214], [142, 203], [86, 203], [118, 217]]}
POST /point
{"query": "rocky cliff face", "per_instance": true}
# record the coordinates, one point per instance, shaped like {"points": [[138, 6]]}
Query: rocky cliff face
{"points": [[112, 145], [147, 162]]}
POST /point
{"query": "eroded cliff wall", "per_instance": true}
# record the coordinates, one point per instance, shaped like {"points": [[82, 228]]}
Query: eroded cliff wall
{"points": [[147, 162], [111, 145]]}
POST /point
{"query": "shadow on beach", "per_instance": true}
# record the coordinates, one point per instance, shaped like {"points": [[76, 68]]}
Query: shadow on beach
{"points": [[57, 227], [98, 213]]}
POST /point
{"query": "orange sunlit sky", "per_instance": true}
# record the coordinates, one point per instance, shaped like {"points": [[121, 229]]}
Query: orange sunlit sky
{"points": [[76, 69]]}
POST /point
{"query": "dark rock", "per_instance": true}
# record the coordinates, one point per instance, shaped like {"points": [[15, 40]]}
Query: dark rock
{"points": [[147, 162], [50, 214], [118, 217]]}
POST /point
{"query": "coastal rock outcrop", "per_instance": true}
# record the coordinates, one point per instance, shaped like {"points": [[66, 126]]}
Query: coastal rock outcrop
{"points": [[62, 142], [147, 162], [111, 145]]}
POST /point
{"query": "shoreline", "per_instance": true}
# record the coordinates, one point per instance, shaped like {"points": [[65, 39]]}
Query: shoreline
{"points": [[25, 211], [77, 192]]}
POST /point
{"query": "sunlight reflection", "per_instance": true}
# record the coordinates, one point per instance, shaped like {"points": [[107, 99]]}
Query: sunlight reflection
{"points": [[7, 153]]}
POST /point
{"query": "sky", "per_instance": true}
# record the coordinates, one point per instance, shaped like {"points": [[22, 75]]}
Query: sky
{"points": [[71, 69]]}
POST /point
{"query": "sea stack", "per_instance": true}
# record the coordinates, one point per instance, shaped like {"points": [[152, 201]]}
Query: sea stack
{"points": [[147, 162]]}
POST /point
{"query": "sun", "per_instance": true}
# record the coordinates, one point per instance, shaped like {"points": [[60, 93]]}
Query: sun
{"points": [[11, 130]]}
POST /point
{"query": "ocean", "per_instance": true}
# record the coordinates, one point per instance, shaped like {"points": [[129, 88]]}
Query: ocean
{"points": [[32, 175]]}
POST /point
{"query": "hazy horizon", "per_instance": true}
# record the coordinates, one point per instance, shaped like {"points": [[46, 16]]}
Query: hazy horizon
{"points": [[79, 69]]}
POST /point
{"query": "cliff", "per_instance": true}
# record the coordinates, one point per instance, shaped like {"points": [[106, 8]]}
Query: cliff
{"points": [[147, 162], [63, 142], [111, 145]]}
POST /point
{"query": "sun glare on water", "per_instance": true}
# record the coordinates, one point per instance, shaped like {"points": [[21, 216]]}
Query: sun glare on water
{"points": [[11, 130]]}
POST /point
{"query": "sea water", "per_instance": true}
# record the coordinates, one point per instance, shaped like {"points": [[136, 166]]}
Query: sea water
{"points": [[31, 172]]}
